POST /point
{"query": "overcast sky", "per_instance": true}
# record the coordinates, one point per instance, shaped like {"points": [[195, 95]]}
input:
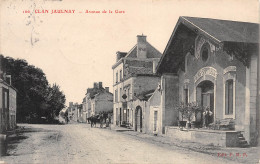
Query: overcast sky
{"points": [[75, 50]]}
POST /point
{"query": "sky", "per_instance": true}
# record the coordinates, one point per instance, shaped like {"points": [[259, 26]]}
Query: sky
{"points": [[75, 50]]}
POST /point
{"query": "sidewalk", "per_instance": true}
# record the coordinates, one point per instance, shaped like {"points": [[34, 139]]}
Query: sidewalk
{"points": [[241, 155], [119, 129]]}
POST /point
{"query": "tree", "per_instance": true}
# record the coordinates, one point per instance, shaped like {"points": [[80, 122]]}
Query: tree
{"points": [[35, 97], [56, 101]]}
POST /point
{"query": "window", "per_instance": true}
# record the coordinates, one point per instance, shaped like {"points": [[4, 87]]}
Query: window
{"points": [[116, 96], [128, 94], [185, 96], [229, 97], [120, 75], [120, 94], [6, 100], [155, 120], [116, 77], [127, 118], [205, 52]]}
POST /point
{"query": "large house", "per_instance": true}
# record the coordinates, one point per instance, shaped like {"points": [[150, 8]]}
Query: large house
{"points": [[215, 64], [7, 100], [133, 74]]}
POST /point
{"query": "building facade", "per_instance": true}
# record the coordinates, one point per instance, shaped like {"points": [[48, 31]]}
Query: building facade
{"points": [[7, 100], [133, 73], [102, 102], [97, 99], [213, 63]]}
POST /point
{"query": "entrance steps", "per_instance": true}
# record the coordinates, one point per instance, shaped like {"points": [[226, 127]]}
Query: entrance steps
{"points": [[242, 141]]}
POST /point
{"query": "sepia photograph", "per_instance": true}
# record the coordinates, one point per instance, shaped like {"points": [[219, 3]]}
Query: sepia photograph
{"points": [[129, 81]]}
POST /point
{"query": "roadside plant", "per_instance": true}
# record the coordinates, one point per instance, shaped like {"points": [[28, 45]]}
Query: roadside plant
{"points": [[181, 109]]}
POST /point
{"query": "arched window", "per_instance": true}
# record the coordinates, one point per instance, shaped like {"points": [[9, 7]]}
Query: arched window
{"points": [[205, 52], [229, 97]]}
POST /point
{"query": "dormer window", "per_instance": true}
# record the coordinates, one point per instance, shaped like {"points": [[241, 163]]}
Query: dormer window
{"points": [[205, 52]]}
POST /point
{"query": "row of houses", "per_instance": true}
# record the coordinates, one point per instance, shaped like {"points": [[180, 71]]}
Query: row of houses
{"points": [[7, 100], [208, 61], [96, 100]]}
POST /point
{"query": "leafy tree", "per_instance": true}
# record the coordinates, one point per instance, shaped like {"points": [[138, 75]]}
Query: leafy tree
{"points": [[36, 98]]}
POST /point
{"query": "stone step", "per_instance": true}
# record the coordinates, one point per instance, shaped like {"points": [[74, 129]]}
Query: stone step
{"points": [[244, 145], [241, 138], [242, 142], [240, 135]]}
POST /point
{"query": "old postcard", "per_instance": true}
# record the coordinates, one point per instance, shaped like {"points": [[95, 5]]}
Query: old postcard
{"points": [[120, 81]]}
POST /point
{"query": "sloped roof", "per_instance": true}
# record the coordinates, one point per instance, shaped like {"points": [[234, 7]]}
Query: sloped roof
{"points": [[145, 95], [151, 52], [93, 91], [220, 31], [227, 31]]}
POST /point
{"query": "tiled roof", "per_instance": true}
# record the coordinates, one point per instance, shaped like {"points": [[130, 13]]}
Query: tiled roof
{"points": [[145, 95], [93, 91], [151, 52], [227, 31]]}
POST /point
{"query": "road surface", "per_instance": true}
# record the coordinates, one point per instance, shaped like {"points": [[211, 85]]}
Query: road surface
{"points": [[79, 143]]}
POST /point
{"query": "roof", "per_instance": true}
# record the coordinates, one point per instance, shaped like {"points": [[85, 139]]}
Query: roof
{"points": [[93, 91], [151, 52], [222, 32], [145, 95], [227, 31]]}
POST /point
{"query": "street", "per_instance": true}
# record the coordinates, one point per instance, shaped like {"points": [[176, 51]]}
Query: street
{"points": [[79, 143]]}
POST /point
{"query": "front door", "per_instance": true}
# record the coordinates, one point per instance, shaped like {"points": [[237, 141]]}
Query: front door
{"points": [[206, 89], [138, 119], [208, 103]]}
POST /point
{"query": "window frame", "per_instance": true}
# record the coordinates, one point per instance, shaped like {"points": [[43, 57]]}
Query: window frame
{"points": [[227, 77]]}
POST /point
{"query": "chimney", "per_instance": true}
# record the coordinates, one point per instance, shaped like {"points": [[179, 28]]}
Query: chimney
{"points": [[100, 85], [95, 85], [9, 79], [107, 89], [70, 104], [141, 47], [155, 63], [120, 55]]}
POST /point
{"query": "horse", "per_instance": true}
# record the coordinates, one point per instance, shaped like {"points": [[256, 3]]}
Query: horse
{"points": [[93, 121]]}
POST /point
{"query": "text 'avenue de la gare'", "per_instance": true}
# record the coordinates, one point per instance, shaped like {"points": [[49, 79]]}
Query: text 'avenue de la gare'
{"points": [[40, 11]]}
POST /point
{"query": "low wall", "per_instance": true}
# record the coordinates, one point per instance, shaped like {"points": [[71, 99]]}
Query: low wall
{"points": [[215, 137]]}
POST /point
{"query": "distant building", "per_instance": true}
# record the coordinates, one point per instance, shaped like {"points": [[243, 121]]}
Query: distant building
{"points": [[7, 100], [98, 99], [74, 112], [133, 73], [84, 110]]}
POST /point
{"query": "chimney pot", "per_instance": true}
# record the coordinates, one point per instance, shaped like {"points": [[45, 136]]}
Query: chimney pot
{"points": [[100, 85], [107, 89], [95, 85]]}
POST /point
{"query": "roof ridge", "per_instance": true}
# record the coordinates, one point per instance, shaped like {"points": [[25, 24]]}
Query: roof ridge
{"points": [[154, 47], [202, 29], [220, 20], [131, 50]]}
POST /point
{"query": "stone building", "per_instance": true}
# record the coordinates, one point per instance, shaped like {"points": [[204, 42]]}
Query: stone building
{"points": [[133, 73], [74, 112], [98, 99], [7, 100], [214, 63]]}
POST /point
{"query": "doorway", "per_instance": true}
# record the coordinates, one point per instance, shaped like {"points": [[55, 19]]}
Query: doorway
{"points": [[205, 97], [138, 119]]}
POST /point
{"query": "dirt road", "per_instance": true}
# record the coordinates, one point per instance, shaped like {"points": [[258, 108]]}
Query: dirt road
{"points": [[78, 143]]}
